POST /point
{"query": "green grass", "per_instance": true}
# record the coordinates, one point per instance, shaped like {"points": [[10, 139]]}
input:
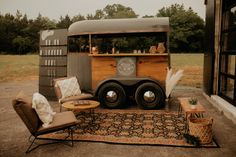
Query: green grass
{"points": [[192, 64], [20, 67], [183, 60]]}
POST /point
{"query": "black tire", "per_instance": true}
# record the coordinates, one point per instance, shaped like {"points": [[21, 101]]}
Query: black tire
{"points": [[150, 96], [116, 100]]}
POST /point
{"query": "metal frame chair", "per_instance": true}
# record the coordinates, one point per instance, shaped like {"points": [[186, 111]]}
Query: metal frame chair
{"points": [[61, 121], [82, 96]]}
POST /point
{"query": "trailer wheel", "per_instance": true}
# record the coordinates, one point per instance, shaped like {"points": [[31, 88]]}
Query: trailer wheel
{"points": [[112, 95], [149, 96]]}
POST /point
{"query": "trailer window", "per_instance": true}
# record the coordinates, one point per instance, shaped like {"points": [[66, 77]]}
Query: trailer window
{"points": [[117, 43], [79, 44], [127, 43]]}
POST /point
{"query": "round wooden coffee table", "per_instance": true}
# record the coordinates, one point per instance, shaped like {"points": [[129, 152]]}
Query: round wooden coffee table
{"points": [[71, 105], [91, 105]]}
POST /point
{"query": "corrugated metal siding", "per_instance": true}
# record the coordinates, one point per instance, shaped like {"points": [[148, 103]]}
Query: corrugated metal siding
{"points": [[79, 65]]}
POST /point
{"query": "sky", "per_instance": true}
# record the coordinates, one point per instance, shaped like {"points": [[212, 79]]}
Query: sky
{"points": [[56, 8]]}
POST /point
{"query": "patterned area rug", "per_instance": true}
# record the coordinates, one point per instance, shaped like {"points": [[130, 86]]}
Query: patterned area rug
{"points": [[152, 127]]}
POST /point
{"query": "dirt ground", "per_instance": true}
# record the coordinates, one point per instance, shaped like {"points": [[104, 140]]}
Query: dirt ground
{"points": [[14, 135]]}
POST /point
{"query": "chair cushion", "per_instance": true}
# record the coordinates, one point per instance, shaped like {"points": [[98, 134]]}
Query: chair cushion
{"points": [[82, 96], [43, 109], [23, 107], [61, 120], [69, 87]]}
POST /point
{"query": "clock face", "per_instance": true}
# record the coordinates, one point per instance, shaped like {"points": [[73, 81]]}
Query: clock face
{"points": [[126, 66]]}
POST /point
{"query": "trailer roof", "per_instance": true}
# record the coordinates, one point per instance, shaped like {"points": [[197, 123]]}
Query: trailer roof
{"points": [[111, 26]]}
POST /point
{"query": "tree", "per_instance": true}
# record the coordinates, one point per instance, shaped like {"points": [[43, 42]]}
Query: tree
{"points": [[147, 16], [114, 11], [64, 22], [22, 44], [20, 35], [187, 28], [98, 15], [35, 26], [78, 18], [7, 31], [118, 11]]}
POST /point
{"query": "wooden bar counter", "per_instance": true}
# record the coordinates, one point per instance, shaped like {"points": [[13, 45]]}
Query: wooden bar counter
{"points": [[147, 65]]}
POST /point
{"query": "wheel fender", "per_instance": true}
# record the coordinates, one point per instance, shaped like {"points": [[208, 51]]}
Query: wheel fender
{"points": [[104, 82], [129, 82]]}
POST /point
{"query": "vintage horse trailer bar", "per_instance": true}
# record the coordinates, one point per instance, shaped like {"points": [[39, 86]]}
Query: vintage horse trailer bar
{"points": [[121, 58]]}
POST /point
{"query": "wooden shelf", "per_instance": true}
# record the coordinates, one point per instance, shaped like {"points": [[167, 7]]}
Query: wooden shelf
{"points": [[127, 54]]}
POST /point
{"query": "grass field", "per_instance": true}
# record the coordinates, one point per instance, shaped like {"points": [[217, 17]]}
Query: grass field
{"points": [[192, 64], [16, 67], [26, 67]]}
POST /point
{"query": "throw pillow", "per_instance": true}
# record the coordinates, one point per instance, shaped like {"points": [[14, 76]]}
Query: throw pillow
{"points": [[69, 87], [43, 109]]}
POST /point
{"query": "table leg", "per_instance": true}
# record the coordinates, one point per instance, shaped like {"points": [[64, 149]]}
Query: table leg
{"points": [[187, 116], [179, 110], [92, 114], [92, 126]]}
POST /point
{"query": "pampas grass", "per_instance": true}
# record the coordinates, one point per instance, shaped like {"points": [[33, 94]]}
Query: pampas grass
{"points": [[172, 80]]}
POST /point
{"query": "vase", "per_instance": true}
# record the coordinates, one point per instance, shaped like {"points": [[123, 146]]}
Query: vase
{"points": [[161, 48], [94, 50], [152, 49], [193, 107]]}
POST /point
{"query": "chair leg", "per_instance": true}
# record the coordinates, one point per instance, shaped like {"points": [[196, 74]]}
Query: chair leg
{"points": [[29, 150], [60, 105], [70, 134]]}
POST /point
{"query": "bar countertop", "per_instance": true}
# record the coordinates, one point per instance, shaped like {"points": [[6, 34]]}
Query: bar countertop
{"points": [[128, 54]]}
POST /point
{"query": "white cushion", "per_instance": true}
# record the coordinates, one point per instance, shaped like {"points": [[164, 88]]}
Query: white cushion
{"points": [[69, 87], [43, 109]]}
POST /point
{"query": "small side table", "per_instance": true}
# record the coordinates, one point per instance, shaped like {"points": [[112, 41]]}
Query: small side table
{"points": [[91, 106], [188, 111]]}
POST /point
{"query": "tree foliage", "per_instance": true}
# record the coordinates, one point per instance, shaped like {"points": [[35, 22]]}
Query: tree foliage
{"points": [[22, 44], [20, 35], [187, 28], [118, 11], [64, 22], [114, 11]]}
